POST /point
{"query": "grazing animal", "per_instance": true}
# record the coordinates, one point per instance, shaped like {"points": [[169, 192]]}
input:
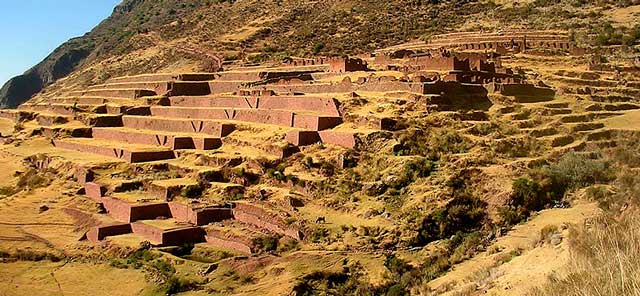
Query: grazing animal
{"points": [[321, 220]]}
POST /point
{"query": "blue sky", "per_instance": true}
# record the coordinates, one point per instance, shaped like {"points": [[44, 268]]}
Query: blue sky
{"points": [[31, 29]]}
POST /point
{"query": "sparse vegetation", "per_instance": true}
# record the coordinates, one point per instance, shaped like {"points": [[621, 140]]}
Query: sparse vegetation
{"points": [[464, 213], [432, 143], [192, 191]]}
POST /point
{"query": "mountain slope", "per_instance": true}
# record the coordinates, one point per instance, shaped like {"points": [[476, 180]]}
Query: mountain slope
{"points": [[150, 36]]}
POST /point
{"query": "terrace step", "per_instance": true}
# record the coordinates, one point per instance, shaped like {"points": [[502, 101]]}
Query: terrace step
{"points": [[273, 117], [597, 135], [612, 98], [199, 214], [173, 141], [64, 109], [17, 115], [94, 101], [604, 144], [47, 119], [127, 152], [165, 77], [170, 188], [541, 132], [559, 140], [282, 150], [573, 147], [557, 105], [613, 107], [526, 123], [101, 120], [116, 93], [321, 105], [169, 88], [264, 218], [177, 125], [578, 127], [168, 232], [553, 111], [233, 235]]}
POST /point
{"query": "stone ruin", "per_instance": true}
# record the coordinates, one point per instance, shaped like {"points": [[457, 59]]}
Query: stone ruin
{"points": [[154, 118]]}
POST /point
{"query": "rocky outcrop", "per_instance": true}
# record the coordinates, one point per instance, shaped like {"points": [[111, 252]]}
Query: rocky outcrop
{"points": [[67, 58], [57, 65]]}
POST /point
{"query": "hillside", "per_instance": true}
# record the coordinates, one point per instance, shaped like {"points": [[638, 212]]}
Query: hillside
{"points": [[149, 36], [329, 148]]}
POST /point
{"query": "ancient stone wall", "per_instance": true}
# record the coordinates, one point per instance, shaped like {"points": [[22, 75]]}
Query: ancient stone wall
{"points": [[181, 236], [220, 240], [343, 139], [302, 138], [94, 191], [99, 233], [208, 127], [117, 209], [346, 64], [149, 211], [184, 213], [256, 216], [154, 235]]}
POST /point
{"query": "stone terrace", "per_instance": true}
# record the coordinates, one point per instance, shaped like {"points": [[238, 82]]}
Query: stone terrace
{"points": [[175, 136]]}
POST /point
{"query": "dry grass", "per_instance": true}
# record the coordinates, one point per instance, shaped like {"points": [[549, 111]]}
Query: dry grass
{"points": [[628, 121], [605, 261]]}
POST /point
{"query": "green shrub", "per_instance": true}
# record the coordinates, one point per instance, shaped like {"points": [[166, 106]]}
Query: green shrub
{"points": [[192, 191], [465, 213], [574, 171], [432, 143], [266, 243], [547, 232], [397, 267], [465, 246], [318, 234], [516, 146]]}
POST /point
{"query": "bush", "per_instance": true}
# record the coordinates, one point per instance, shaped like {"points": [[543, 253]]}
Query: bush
{"points": [[432, 143], [516, 146], [465, 213], [192, 191], [465, 246], [318, 234], [396, 267], [549, 185], [412, 170], [528, 196], [266, 243], [574, 171], [547, 232]]}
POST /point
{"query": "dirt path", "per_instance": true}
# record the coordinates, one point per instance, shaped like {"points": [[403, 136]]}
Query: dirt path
{"points": [[536, 262]]}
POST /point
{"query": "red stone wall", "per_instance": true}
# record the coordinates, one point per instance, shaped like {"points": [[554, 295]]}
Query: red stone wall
{"points": [[275, 117], [302, 138], [117, 209], [347, 140], [231, 243], [256, 216], [208, 127], [154, 235], [184, 213], [149, 211], [177, 237], [99, 233], [94, 191], [210, 215]]}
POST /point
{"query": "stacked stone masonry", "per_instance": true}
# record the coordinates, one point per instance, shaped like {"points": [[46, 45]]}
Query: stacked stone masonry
{"points": [[166, 118]]}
